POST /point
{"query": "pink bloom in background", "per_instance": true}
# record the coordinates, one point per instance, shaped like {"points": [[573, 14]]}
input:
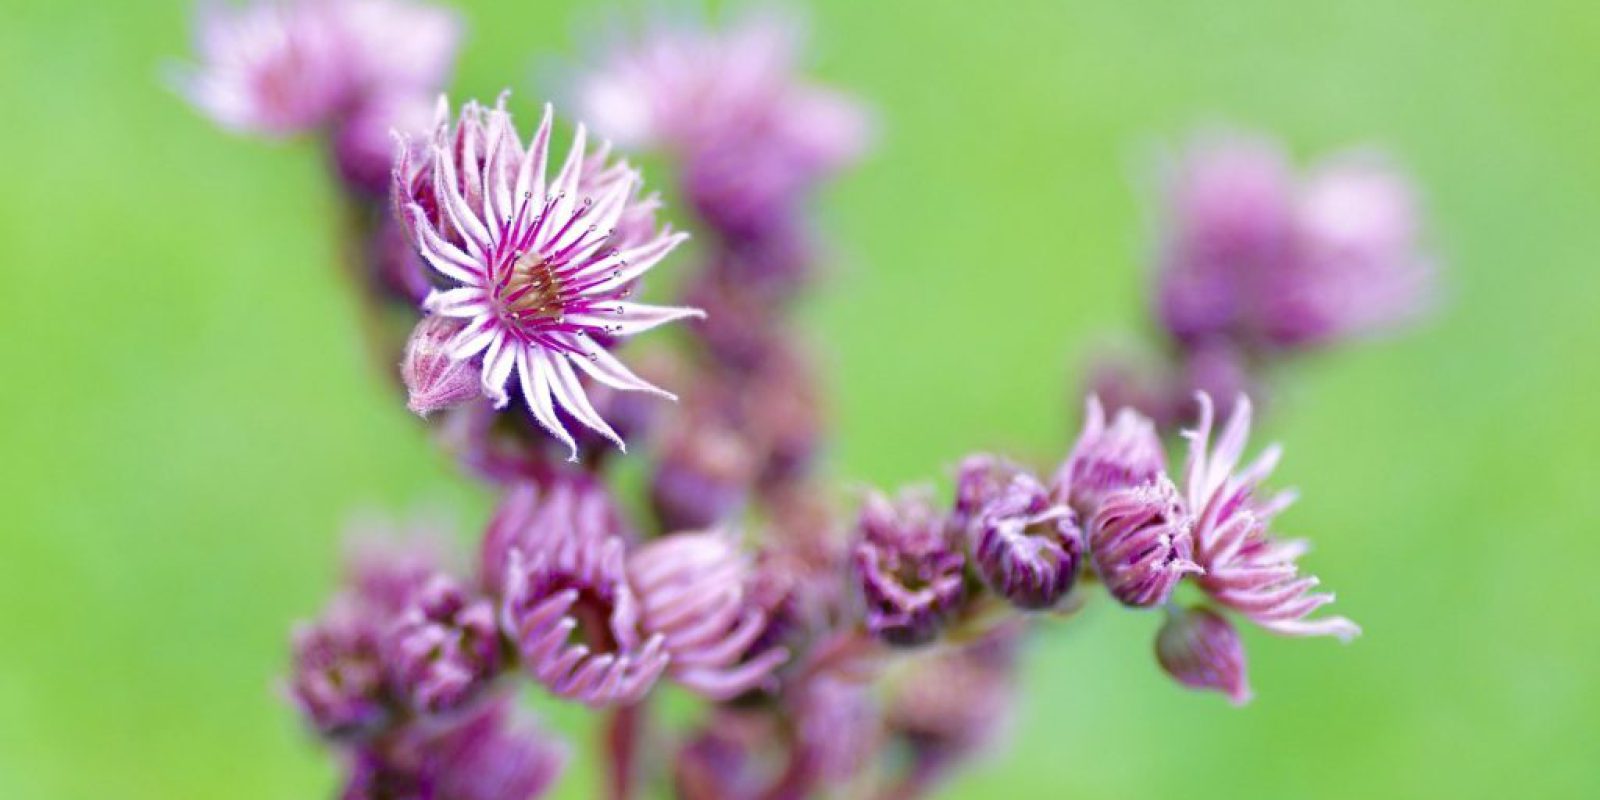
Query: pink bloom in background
{"points": [[274, 69], [283, 67], [538, 284], [1246, 569], [750, 134], [1255, 254]]}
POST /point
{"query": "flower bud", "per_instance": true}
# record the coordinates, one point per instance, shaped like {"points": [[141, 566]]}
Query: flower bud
{"points": [[1108, 459], [908, 573], [444, 648], [1027, 547], [434, 379], [1200, 649], [1141, 545], [337, 677]]}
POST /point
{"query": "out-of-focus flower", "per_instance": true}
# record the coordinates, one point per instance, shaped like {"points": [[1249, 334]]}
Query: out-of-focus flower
{"points": [[751, 135], [272, 68], [694, 589], [1201, 650], [953, 704], [1140, 543], [537, 286], [980, 480], [1109, 459], [1360, 265], [838, 727], [433, 379], [1229, 217], [337, 677], [575, 619], [363, 141], [1246, 569], [907, 569], [283, 67], [489, 755], [731, 756], [703, 474], [444, 647], [1268, 261], [1026, 546]]}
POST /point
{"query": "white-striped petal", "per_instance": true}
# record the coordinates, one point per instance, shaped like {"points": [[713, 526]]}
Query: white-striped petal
{"points": [[569, 393], [622, 318], [604, 367], [534, 368]]}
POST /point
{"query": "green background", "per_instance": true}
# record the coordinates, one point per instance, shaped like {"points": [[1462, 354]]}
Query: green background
{"points": [[188, 418]]}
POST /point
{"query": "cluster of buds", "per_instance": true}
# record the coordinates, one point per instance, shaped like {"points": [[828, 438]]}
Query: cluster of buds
{"points": [[922, 574], [829, 653], [1257, 264]]}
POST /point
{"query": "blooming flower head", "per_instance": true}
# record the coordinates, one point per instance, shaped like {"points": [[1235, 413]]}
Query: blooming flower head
{"points": [[569, 608], [1200, 649], [695, 591], [1141, 544], [1246, 569], [1109, 458], [537, 284], [907, 569]]}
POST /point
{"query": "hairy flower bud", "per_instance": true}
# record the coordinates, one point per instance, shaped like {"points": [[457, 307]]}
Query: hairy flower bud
{"points": [[444, 648], [434, 378], [1107, 459], [1027, 547], [1200, 649], [1141, 544], [908, 573]]}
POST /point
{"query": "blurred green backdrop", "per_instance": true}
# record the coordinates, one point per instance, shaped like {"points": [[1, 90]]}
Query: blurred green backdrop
{"points": [[188, 419]]}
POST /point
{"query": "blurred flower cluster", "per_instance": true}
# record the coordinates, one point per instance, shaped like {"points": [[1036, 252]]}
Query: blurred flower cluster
{"points": [[1256, 265], [838, 651]]}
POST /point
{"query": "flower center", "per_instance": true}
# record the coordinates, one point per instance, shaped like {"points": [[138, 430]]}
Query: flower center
{"points": [[532, 293]]}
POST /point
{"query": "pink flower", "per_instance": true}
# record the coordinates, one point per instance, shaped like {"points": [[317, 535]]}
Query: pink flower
{"points": [[283, 67], [1246, 569], [538, 284], [275, 69], [695, 589], [751, 135]]}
